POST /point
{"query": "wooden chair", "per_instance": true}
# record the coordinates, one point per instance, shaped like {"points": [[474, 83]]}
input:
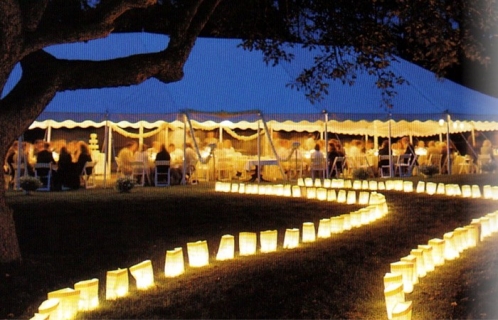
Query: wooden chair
{"points": [[162, 178], [43, 171], [88, 175]]}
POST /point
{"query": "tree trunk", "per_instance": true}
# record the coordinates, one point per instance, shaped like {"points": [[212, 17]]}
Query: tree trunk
{"points": [[9, 246]]}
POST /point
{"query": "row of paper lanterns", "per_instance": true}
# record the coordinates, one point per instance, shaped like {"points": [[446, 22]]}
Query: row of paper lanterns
{"points": [[66, 303], [406, 272], [431, 188]]}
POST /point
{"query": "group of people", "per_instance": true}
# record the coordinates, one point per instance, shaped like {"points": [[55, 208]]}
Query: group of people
{"points": [[67, 162], [132, 153]]}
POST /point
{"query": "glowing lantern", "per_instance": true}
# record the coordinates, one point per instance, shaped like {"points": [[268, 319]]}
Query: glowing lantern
{"points": [[268, 240], [335, 183], [247, 243], [437, 251], [381, 185], [327, 183], [337, 224], [393, 294], [116, 284], [347, 184], [308, 182], [419, 255], [364, 216], [311, 193], [431, 188], [68, 302], [321, 194], [364, 185], [357, 184], [372, 185], [398, 185], [261, 190], [364, 197], [485, 227], [309, 234], [441, 189], [351, 197], [270, 190], [318, 183], [218, 186], [324, 228], [242, 188], [495, 193], [487, 192], [355, 219], [198, 254], [450, 250], [341, 196], [252, 189], [460, 235], [300, 182], [402, 311], [143, 274], [278, 189], [235, 188], [50, 307], [412, 259], [392, 279], [420, 187], [89, 294], [227, 248], [389, 184], [406, 270], [476, 192], [39, 316], [291, 238], [493, 221], [347, 221], [296, 191], [408, 186], [427, 254], [174, 264], [472, 235], [331, 195], [287, 191], [466, 191]]}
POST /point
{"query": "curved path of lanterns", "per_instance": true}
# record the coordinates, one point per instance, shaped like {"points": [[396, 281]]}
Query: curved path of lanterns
{"points": [[404, 274]]}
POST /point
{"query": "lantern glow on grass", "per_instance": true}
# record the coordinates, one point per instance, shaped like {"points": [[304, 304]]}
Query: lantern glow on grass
{"points": [[143, 274], [116, 284], [419, 255], [291, 238], [247, 243], [68, 302], [174, 264], [268, 240], [89, 294], [466, 191], [311, 193], [226, 251], [198, 254]]}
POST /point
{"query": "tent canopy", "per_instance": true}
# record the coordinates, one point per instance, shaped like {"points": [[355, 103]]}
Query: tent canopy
{"points": [[225, 83]]}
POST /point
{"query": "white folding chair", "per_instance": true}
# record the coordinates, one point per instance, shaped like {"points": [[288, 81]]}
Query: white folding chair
{"points": [[162, 178], [43, 171], [337, 166], [224, 168], [481, 160], [403, 165], [88, 175], [385, 169], [318, 164], [435, 160], [139, 172]]}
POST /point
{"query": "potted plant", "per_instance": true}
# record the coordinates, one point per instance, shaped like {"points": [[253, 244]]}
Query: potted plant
{"points": [[29, 184], [125, 184], [428, 170], [360, 174]]}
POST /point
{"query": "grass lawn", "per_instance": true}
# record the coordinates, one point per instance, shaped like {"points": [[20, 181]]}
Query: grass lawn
{"points": [[66, 237]]}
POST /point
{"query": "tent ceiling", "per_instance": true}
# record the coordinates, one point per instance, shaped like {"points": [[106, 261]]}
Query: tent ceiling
{"points": [[222, 79]]}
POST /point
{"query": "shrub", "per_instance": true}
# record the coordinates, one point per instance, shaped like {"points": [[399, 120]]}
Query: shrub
{"points": [[125, 184], [29, 183], [428, 170], [360, 174], [488, 167]]}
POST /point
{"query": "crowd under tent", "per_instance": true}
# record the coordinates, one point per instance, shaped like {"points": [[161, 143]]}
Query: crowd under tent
{"points": [[227, 88]]}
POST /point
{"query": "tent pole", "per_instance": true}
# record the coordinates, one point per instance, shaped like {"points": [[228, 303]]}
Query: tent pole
{"points": [[259, 155], [106, 151], [448, 160], [141, 135], [390, 150], [326, 144], [49, 132], [184, 169], [270, 140]]}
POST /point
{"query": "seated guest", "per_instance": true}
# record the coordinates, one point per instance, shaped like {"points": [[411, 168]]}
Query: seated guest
{"points": [[487, 148], [331, 156], [44, 156], [67, 176], [84, 156], [164, 155], [126, 157]]}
